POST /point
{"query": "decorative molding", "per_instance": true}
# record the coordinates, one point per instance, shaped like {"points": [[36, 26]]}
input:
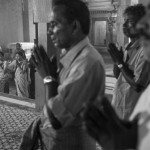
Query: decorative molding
{"points": [[101, 5], [96, 12]]}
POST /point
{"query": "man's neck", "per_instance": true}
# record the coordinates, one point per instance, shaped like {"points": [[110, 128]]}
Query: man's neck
{"points": [[75, 42], [133, 39]]}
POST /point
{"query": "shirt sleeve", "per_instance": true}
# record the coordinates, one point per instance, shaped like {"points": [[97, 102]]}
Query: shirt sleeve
{"points": [[139, 65], [144, 78], [79, 87]]}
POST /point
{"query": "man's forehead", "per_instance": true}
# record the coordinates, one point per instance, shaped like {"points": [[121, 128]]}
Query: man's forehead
{"points": [[57, 12]]}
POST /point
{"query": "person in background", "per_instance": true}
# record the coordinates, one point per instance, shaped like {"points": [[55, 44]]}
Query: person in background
{"points": [[21, 75], [81, 78], [130, 64], [12, 65], [19, 49], [32, 71], [103, 124], [5, 74]]}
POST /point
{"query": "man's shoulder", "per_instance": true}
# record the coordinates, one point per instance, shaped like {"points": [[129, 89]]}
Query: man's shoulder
{"points": [[90, 57], [92, 54]]}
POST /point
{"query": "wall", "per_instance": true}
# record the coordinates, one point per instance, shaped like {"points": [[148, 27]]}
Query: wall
{"points": [[11, 27], [16, 21]]}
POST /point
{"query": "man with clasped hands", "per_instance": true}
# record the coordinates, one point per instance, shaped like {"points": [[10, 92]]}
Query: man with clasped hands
{"points": [[80, 79]]}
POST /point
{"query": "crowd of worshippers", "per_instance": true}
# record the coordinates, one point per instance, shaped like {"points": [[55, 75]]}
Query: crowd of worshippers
{"points": [[16, 71], [76, 103]]}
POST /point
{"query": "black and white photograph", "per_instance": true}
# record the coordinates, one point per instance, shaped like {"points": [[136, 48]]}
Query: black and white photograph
{"points": [[75, 75]]}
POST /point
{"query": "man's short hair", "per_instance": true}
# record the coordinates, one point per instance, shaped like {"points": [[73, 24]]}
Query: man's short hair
{"points": [[137, 11], [76, 10], [18, 44]]}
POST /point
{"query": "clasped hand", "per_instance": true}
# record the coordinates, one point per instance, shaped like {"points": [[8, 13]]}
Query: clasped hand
{"points": [[116, 55], [43, 64], [103, 124]]}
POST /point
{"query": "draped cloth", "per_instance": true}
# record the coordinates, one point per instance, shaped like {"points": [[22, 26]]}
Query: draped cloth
{"points": [[4, 77], [21, 81]]}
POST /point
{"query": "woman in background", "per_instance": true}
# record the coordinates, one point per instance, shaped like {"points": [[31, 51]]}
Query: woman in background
{"points": [[5, 74], [21, 75]]}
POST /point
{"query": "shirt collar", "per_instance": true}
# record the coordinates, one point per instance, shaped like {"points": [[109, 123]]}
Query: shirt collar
{"points": [[67, 59], [135, 45]]}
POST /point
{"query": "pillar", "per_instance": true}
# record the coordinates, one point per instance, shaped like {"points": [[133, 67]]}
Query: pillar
{"points": [[25, 16], [42, 10], [39, 86]]}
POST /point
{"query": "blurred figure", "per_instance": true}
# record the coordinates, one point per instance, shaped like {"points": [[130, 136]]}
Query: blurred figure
{"points": [[130, 64], [32, 71], [5, 74], [21, 75], [113, 133]]}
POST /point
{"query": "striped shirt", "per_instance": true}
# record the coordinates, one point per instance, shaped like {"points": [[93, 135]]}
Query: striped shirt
{"points": [[82, 79]]}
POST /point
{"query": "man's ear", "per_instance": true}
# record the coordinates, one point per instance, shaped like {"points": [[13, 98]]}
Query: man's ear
{"points": [[76, 27]]}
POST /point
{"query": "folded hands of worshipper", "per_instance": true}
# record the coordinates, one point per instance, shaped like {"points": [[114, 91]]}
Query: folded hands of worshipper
{"points": [[44, 65], [102, 123], [117, 55]]}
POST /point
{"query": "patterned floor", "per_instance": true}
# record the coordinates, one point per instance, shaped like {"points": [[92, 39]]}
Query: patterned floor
{"points": [[13, 122]]}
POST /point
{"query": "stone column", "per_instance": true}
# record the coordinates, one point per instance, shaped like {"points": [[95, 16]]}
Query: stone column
{"points": [[39, 86], [25, 16], [31, 23], [42, 10]]}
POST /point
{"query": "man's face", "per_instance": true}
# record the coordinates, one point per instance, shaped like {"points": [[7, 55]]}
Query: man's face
{"points": [[18, 47], [129, 27], [18, 57], [144, 28], [60, 29]]}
